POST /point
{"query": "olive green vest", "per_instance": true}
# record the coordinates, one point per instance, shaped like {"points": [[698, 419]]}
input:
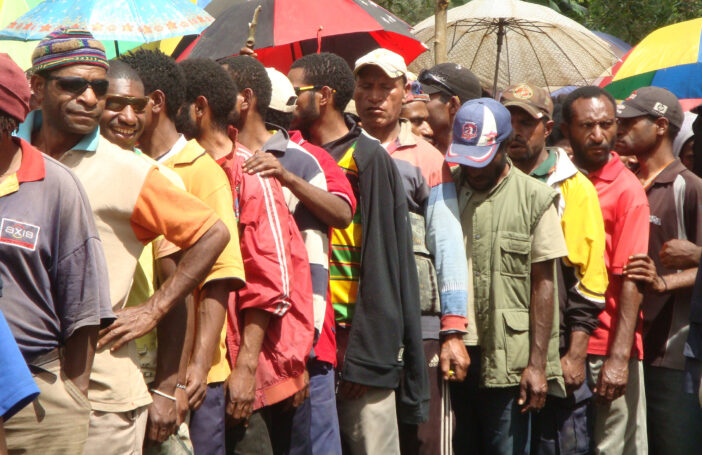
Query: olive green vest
{"points": [[503, 225]]}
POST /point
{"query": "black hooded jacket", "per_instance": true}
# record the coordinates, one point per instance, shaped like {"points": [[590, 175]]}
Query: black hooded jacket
{"points": [[385, 347]]}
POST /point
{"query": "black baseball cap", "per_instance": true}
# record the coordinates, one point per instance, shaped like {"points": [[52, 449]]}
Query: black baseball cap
{"points": [[451, 79], [653, 101]]}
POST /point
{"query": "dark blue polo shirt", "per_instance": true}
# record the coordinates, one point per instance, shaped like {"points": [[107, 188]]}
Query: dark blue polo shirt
{"points": [[51, 260]]}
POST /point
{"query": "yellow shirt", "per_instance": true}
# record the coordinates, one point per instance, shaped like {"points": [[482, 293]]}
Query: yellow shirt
{"points": [[206, 180]]}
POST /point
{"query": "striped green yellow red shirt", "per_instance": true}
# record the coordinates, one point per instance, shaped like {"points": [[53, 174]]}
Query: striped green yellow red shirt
{"points": [[345, 252]]}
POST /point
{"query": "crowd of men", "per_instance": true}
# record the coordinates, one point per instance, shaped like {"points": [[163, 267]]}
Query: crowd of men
{"points": [[217, 258]]}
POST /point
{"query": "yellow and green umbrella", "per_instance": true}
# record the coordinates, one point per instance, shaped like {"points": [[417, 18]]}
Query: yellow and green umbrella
{"points": [[670, 57]]}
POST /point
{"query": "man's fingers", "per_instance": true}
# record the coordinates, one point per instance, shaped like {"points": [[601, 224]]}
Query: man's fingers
{"points": [[522, 393], [445, 363]]}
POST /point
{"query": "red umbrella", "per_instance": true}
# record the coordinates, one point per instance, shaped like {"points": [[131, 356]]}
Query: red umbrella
{"points": [[288, 29]]}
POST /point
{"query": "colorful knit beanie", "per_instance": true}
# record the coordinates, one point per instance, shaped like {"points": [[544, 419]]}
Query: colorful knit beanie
{"points": [[68, 46]]}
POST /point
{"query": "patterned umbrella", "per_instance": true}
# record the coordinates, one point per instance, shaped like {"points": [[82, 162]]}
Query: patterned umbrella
{"points": [[669, 57], [508, 42], [288, 29], [124, 20]]}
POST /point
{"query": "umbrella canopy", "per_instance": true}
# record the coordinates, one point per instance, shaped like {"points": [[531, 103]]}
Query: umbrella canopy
{"points": [[618, 46], [668, 57], [349, 28], [507, 42], [128, 20]]}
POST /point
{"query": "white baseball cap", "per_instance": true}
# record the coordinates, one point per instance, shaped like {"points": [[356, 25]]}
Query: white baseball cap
{"points": [[391, 63], [283, 96]]}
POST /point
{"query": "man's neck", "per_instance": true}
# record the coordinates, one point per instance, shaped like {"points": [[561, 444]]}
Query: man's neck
{"points": [[160, 139], [529, 166], [10, 156], [53, 142], [443, 141], [215, 142], [387, 133], [330, 127], [253, 134], [654, 161]]}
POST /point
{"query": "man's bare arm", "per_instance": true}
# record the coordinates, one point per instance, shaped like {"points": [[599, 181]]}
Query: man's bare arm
{"points": [[211, 314], [329, 208], [241, 384], [79, 354], [195, 264], [642, 268], [533, 386], [171, 335], [613, 377]]}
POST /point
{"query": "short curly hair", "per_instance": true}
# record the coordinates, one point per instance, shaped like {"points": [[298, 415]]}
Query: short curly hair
{"points": [[587, 92], [159, 72], [247, 72], [206, 78], [331, 70]]}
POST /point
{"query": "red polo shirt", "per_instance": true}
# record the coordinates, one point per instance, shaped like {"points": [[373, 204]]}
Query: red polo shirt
{"points": [[626, 218]]}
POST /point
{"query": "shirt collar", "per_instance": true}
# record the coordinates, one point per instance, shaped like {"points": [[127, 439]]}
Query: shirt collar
{"points": [[545, 169], [669, 173], [610, 170], [278, 142], [32, 166], [175, 149], [405, 138], [33, 122]]}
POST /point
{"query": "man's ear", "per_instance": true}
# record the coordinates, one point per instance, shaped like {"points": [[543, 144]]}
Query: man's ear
{"points": [[548, 128], [327, 97], [454, 105], [158, 101], [662, 126], [249, 100], [38, 85], [201, 106]]}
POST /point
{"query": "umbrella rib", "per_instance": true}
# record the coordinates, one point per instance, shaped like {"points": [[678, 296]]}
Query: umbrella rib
{"points": [[541, 67], [569, 59]]}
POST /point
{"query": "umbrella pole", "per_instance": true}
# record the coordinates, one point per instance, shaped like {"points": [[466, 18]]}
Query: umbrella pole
{"points": [[116, 49], [440, 18], [500, 38]]}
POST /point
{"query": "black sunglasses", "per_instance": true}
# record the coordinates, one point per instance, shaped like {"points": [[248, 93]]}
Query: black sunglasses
{"points": [[428, 78], [77, 85], [117, 102]]}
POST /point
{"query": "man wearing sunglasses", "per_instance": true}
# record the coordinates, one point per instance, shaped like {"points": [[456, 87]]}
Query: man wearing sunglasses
{"points": [[132, 204], [122, 120], [448, 85]]}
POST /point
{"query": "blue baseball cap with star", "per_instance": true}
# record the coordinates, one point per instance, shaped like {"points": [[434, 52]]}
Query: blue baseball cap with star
{"points": [[480, 126]]}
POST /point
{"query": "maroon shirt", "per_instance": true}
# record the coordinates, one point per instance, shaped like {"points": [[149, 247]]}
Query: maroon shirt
{"points": [[675, 199]]}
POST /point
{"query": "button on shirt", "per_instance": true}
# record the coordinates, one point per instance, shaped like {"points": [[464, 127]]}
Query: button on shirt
{"points": [[51, 261]]}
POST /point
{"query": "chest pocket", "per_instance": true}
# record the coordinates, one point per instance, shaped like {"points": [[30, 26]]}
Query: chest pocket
{"points": [[428, 284], [514, 251]]}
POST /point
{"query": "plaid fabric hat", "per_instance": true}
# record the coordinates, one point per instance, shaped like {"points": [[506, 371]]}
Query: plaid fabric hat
{"points": [[68, 46]]}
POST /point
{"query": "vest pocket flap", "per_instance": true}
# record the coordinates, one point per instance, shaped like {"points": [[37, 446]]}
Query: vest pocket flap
{"points": [[516, 341], [515, 246], [515, 255], [517, 320]]}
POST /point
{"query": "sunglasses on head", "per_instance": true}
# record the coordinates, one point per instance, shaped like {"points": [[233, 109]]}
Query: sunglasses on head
{"points": [[117, 102], [77, 85], [428, 78]]}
